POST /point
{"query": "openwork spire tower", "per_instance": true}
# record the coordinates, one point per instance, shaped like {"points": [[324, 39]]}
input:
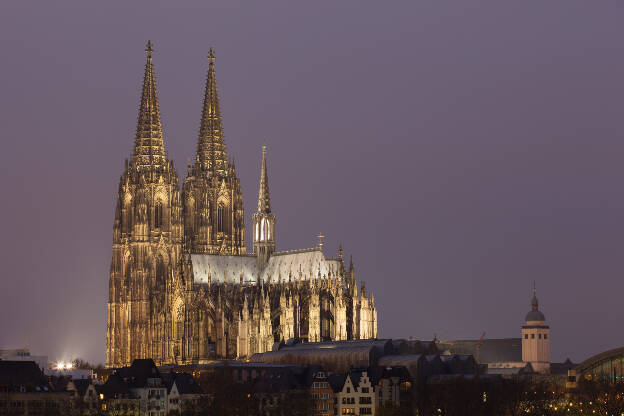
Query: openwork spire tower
{"points": [[149, 147], [211, 143]]}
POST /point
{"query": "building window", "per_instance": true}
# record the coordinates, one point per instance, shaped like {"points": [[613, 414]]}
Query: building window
{"points": [[545, 336], [532, 336], [348, 390], [539, 336], [526, 336], [364, 389], [158, 215], [223, 219]]}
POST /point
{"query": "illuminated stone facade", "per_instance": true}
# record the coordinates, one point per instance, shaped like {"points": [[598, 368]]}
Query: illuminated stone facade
{"points": [[182, 288]]}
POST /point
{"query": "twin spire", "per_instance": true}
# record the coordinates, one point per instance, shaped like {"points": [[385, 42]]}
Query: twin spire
{"points": [[211, 144], [149, 148]]}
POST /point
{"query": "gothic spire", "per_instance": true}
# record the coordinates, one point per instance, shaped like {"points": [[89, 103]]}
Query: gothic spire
{"points": [[211, 144], [149, 147], [264, 201]]}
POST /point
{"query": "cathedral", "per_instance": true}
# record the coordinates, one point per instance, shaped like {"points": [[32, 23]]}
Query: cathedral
{"points": [[182, 288]]}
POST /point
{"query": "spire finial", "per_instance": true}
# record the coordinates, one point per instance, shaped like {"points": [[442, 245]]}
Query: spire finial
{"points": [[148, 49], [320, 243]]}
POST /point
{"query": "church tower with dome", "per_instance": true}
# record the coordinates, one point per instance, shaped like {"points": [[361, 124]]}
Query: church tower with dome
{"points": [[536, 338]]}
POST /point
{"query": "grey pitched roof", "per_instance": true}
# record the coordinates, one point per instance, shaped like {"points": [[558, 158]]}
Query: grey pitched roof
{"points": [[59, 384], [281, 379], [137, 374], [336, 381], [22, 373], [81, 385], [185, 383], [355, 376], [380, 372], [334, 356], [491, 350], [218, 268], [114, 387]]}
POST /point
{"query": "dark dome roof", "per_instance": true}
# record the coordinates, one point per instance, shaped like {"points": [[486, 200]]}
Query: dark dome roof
{"points": [[535, 316]]}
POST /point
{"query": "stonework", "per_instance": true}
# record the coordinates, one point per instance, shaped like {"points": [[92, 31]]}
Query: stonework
{"points": [[182, 289]]}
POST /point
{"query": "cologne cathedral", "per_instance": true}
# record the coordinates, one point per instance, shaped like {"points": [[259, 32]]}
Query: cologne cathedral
{"points": [[183, 289]]}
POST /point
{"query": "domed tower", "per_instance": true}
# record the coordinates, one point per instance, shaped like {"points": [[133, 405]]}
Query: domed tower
{"points": [[536, 338]]}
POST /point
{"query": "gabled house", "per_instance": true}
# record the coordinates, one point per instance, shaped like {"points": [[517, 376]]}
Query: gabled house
{"points": [[182, 392], [85, 395], [354, 393], [138, 389]]}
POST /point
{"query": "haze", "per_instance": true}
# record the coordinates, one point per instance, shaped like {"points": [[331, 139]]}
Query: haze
{"points": [[459, 150]]}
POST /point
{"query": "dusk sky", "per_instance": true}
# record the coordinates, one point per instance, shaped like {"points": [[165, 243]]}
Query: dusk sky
{"points": [[459, 150]]}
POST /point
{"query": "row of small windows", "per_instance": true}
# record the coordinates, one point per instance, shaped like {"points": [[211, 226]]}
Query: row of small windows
{"points": [[363, 411], [526, 336]]}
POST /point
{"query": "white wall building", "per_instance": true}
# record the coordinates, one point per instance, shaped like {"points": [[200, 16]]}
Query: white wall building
{"points": [[357, 395]]}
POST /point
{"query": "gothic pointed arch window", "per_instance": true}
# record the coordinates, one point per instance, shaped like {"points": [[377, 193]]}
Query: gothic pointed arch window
{"points": [[158, 215], [128, 269], [178, 311], [190, 214], [126, 213], [161, 270], [223, 218]]}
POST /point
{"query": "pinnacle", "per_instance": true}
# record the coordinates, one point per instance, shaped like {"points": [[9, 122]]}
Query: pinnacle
{"points": [[264, 200]]}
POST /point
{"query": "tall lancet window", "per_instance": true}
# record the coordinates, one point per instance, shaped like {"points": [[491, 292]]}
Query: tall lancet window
{"points": [[222, 219], [126, 215], [262, 228], [158, 215]]}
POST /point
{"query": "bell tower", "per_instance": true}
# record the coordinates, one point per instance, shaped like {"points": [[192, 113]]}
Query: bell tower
{"points": [[264, 219], [147, 239], [213, 202], [536, 338]]}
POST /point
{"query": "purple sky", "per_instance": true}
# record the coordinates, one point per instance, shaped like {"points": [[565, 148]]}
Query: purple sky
{"points": [[459, 149]]}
